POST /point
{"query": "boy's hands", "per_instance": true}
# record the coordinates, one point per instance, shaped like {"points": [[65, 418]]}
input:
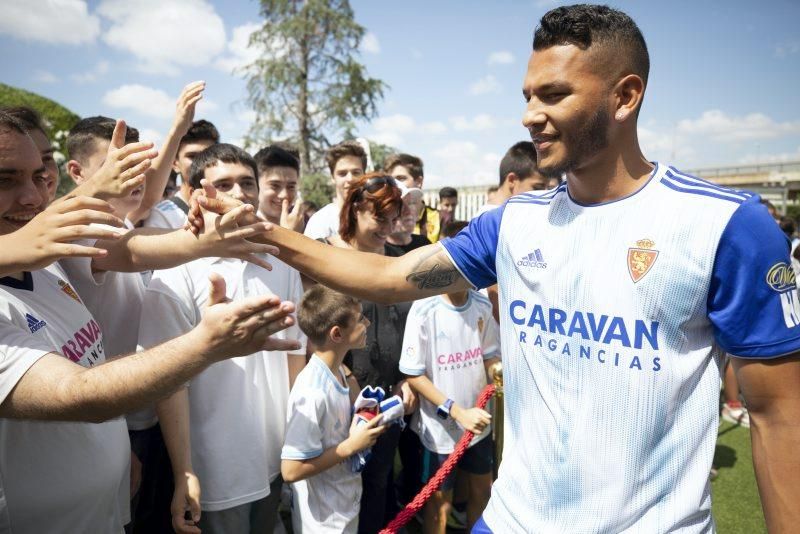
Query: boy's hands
{"points": [[124, 167], [49, 236], [222, 236], [186, 498], [364, 436], [184, 109], [230, 329], [473, 419]]}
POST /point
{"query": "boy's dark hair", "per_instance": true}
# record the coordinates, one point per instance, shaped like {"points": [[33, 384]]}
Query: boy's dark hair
{"points": [[492, 189], [586, 25], [788, 226], [412, 163], [275, 156], [28, 117], [345, 148], [9, 122], [82, 136], [447, 192], [519, 159], [201, 130], [322, 308], [452, 228], [223, 152]]}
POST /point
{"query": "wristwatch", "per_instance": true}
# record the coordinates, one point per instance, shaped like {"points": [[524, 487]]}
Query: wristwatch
{"points": [[443, 410]]}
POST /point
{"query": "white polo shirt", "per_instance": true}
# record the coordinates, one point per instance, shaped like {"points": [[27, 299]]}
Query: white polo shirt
{"points": [[324, 223], [237, 406]]}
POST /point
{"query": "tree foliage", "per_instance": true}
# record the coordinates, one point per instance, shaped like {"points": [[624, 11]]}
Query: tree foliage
{"points": [[308, 86]]}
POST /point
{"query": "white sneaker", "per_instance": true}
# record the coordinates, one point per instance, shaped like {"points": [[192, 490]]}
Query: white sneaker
{"points": [[735, 413]]}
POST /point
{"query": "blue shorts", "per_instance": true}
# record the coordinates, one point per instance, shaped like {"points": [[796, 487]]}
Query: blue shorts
{"points": [[477, 460]]}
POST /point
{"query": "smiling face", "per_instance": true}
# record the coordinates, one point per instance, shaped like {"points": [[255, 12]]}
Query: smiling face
{"points": [[372, 230], [344, 171], [235, 179], [568, 108], [275, 185], [23, 181], [46, 151]]}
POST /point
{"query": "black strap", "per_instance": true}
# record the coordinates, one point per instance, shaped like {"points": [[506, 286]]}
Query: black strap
{"points": [[178, 201]]}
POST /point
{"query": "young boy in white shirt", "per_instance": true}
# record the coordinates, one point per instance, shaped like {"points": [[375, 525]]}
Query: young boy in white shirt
{"points": [[320, 436], [449, 345]]}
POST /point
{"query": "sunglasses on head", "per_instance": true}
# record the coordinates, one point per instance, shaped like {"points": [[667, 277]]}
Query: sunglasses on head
{"points": [[377, 183]]}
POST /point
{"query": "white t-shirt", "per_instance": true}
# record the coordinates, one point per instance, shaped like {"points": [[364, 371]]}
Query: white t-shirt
{"points": [[237, 406], [324, 223], [483, 209], [56, 476], [448, 344], [319, 418], [614, 321], [165, 214]]}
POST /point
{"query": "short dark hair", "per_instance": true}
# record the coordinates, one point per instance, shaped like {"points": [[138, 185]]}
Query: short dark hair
{"points": [[29, 117], [223, 152], [275, 156], [519, 159], [587, 25], [82, 136], [320, 309], [343, 149], [201, 130], [788, 226], [9, 122], [412, 163], [447, 192], [452, 228]]}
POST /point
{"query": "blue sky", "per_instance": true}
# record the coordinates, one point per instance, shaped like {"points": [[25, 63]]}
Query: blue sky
{"points": [[724, 85]]}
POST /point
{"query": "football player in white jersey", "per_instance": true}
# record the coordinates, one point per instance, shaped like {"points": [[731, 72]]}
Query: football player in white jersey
{"points": [[72, 476], [619, 290]]}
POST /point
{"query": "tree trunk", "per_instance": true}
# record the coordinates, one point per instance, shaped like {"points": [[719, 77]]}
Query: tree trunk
{"points": [[305, 132]]}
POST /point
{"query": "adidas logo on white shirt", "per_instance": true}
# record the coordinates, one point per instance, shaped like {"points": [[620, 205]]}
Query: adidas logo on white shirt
{"points": [[34, 324], [533, 259]]}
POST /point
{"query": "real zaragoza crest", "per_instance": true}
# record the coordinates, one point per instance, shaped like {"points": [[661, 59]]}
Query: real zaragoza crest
{"points": [[66, 288], [641, 259]]}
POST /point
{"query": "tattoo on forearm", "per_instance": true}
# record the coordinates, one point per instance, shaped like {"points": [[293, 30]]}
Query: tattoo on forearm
{"points": [[434, 278]]}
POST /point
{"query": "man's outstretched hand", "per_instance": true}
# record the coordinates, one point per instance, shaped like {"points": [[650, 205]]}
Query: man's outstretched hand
{"points": [[242, 327], [124, 167]]}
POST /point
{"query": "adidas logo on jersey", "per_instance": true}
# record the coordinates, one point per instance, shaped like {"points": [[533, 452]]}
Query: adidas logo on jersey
{"points": [[34, 324], [533, 259]]}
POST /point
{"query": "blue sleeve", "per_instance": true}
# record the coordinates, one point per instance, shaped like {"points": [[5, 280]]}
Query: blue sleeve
{"points": [[752, 300], [474, 249]]}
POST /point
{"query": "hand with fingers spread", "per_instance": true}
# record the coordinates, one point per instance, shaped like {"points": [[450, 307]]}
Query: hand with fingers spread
{"points": [[243, 327], [124, 167], [186, 499], [208, 199], [292, 219], [49, 236], [185, 107], [224, 236], [473, 419]]}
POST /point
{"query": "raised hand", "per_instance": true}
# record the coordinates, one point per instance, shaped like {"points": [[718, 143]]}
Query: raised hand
{"points": [[239, 328], [186, 498], [184, 109], [124, 167], [294, 219], [51, 234], [222, 236]]}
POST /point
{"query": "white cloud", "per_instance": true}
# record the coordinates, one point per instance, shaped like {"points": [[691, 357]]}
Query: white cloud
{"points": [[487, 84], [478, 123], [503, 57], [142, 99], [787, 49], [44, 76], [716, 125], [92, 74], [659, 146], [433, 128], [461, 163], [780, 157], [239, 53], [164, 35], [148, 134], [49, 21], [370, 44]]}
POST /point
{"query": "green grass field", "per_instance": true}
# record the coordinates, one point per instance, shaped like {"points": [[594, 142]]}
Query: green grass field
{"points": [[737, 508]]}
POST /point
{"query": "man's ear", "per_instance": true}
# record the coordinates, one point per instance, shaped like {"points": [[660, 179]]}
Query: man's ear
{"points": [[75, 172], [176, 167]]}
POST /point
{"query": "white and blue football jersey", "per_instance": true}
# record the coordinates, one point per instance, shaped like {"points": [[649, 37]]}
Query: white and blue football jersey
{"points": [[614, 320]]}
